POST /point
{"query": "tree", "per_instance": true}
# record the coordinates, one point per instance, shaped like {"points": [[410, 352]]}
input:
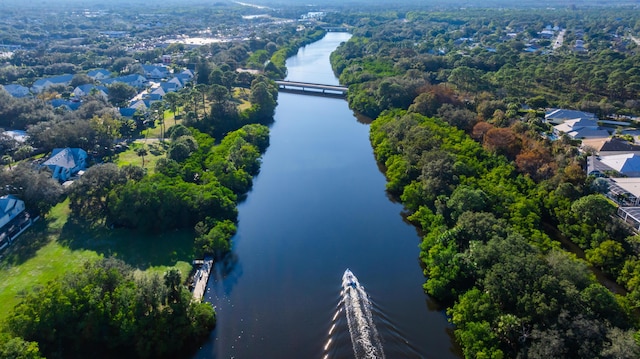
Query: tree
{"points": [[141, 152], [120, 93], [88, 195], [593, 208], [502, 141], [36, 188], [173, 101], [80, 79], [7, 160]]}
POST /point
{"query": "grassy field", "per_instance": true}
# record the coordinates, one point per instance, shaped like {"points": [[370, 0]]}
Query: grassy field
{"points": [[155, 151], [56, 245]]}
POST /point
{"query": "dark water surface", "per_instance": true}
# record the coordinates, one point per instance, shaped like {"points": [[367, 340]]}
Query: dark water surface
{"points": [[319, 207]]}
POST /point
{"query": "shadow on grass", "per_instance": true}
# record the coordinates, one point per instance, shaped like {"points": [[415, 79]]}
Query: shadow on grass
{"points": [[28, 243], [138, 249]]}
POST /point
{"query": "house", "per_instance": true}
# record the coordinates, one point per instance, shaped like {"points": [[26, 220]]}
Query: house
{"points": [[155, 71], [88, 89], [134, 80], [99, 74], [627, 164], [44, 83], [66, 104], [17, 90], [169, 86], [186, 73], [10, 208], [127, 111], [581, 128], [156, 95], [66, 162], [609, 146], [13, 219], [558, 116], [140, 105]]}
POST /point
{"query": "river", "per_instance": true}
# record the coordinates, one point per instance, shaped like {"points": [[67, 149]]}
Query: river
{"points": [[318, 207]]}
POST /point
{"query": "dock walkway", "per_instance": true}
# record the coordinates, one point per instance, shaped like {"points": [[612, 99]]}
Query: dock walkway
{"points": [[201, 278]]}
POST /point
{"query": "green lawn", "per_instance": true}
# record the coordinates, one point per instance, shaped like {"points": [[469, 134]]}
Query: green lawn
{"points": [[155, 151], [56, 245]]}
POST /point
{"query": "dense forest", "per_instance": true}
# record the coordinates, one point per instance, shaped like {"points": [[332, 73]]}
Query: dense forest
{"points": [[455, 102]]}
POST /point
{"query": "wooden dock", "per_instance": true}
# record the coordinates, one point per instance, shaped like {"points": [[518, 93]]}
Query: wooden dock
{"points": [[201, 277]]}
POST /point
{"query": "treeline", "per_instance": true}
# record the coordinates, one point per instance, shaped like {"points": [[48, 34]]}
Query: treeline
{"points": [[475, 52], [104, 310], [488, 190]]}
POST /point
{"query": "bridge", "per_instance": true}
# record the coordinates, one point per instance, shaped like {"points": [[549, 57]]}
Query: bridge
{"points": [[312, 89]]}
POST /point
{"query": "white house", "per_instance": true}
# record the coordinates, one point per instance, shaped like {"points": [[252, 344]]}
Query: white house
{"points": [[10, 208], [17, 90], [99, 74], [66, 162], [581, 128], [627, 164]]}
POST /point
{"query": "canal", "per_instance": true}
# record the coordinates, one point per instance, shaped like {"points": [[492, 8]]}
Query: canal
{"points": [[319, 207]]}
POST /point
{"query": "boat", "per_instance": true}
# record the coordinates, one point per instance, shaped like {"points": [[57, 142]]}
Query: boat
{"points": [[349, 279], [364, 335]]}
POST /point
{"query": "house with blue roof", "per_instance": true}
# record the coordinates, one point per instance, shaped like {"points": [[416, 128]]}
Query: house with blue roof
{"points": [[66, 104], [155, 71], [17, 91], [43, 84], [66, 162], [127, 111], [558, 116], [99, 74], [169, 86], [134, 80], [88, 89], [13, 219], [156, 95]]}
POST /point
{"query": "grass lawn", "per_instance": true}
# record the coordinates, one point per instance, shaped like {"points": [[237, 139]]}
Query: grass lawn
{"points": [[155, 151], [56, 245]]}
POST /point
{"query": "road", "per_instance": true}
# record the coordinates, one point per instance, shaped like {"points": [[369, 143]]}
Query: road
{"points": [[559, 40]]}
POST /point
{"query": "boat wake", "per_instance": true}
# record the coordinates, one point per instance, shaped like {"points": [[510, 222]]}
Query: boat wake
{"points": [[364, 335]]}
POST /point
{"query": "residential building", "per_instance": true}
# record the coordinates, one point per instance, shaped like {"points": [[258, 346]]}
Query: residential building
{"points": [[66, 162], [14, 219], [17, 90], [581, 128], [558, 116], [99, 74], [155, 71], [44, 83], [88, 89], [627, 164], [134, 80]]}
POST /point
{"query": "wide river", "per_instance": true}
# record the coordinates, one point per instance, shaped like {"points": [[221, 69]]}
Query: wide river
{"points": [[318, 207]]}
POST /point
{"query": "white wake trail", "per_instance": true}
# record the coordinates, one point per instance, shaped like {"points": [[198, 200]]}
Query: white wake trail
{"points": [[364, 336]]}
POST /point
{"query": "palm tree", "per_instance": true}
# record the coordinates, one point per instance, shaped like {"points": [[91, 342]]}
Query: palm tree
{"points": [[142, 151], [7, 159]]}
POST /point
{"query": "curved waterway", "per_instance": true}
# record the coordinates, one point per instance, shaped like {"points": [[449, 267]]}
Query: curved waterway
{"points": [[319, 207]]}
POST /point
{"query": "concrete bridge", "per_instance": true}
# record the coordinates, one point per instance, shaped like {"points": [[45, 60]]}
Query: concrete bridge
{"points": [[312, 89]]}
